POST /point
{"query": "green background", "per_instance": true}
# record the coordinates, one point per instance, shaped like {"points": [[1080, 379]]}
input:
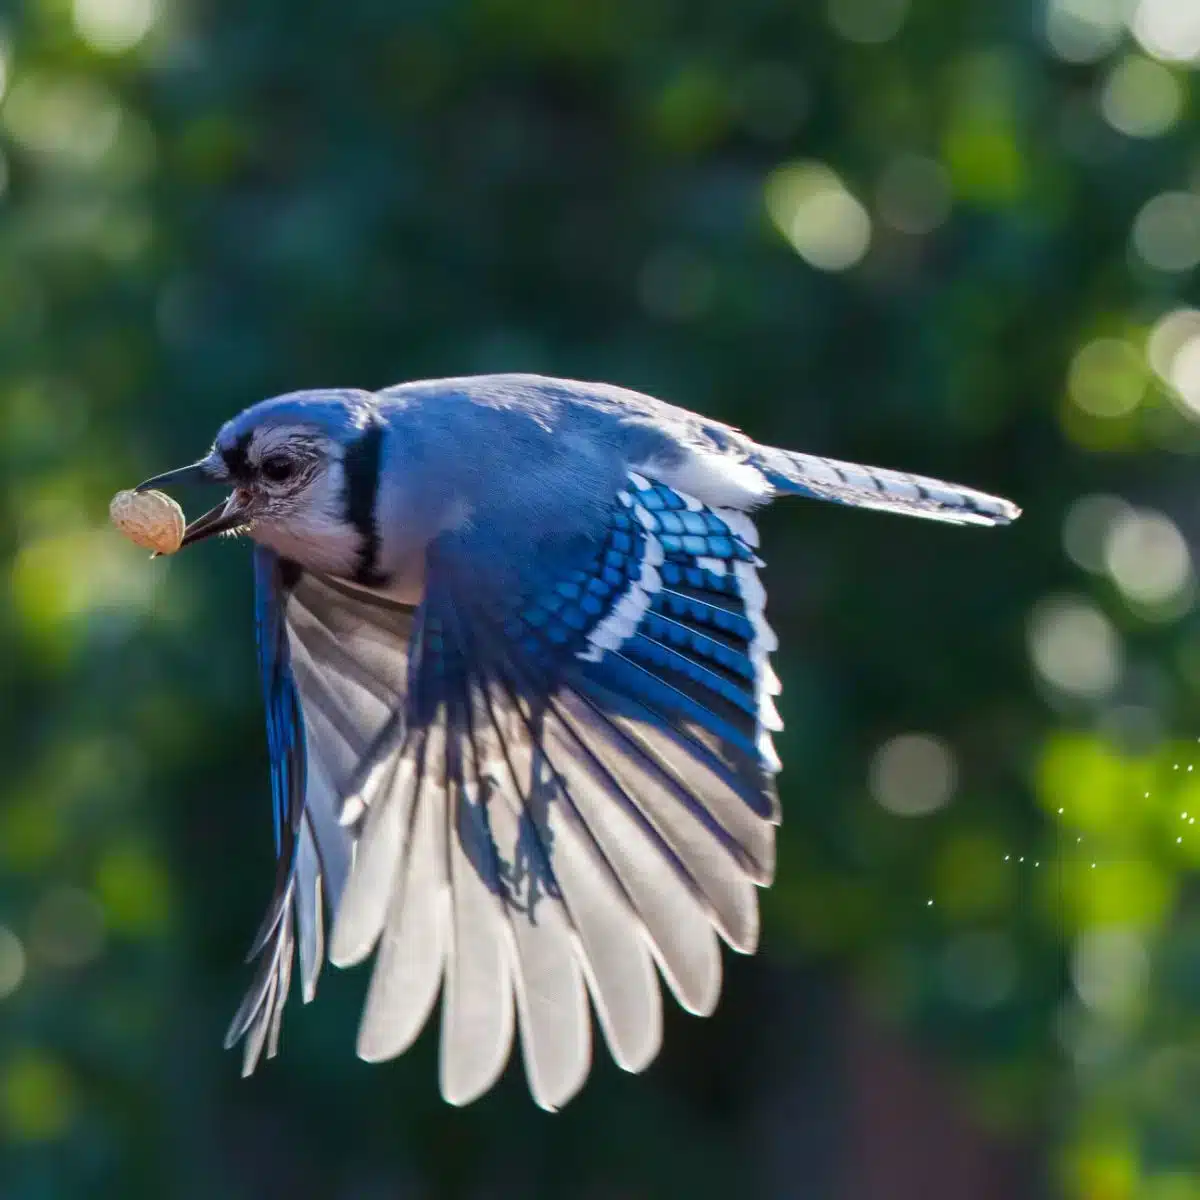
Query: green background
{"points": [[940, 235]]}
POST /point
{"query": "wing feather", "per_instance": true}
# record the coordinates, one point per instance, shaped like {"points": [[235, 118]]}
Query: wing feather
{"points": [[550, 997], [310, 928], [710, 860], [611, 942], [551, 794], [365, 901], [478, 1009], [412, 948], [672, 913]]}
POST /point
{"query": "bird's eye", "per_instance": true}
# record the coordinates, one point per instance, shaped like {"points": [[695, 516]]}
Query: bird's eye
{"points": [[277, 467]]}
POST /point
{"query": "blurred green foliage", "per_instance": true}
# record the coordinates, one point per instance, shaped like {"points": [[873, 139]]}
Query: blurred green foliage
{"points": [[952, 236]]}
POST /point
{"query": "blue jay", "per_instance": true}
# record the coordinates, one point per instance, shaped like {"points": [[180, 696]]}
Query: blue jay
{"points": [[519, 705]]}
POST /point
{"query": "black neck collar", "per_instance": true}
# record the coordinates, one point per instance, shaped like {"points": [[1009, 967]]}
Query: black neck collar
{"points": [[362, 465]]}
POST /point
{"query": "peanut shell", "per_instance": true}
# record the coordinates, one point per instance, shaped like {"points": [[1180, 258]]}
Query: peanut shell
{"points": [[149, 519]]}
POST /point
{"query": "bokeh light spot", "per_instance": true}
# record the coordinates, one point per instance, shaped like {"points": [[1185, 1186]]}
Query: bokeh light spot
{"points": [[869, 22], [1141, 98], [1166, 232], [1083, 30], [913, 774], [1185, 376], [1110, 970], [1085, 776], [814, 210], [1168, 29], [75, 120], [12, 962], [1075, 647], [1170, 334], [1147, 557], [1107, 378], [113, 26], [1174, 354]]}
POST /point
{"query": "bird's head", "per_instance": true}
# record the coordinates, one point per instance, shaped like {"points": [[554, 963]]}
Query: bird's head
{"points": [[303, 471]]}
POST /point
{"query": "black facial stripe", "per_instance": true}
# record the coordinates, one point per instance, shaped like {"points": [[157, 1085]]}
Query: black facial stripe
{"points": [[235, 456], [361, 465]]}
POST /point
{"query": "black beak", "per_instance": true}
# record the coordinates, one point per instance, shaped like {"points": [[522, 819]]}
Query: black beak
{"points": [[197, 472], [225, 517]]}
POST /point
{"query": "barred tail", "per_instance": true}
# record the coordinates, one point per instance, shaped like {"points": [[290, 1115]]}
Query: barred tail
{"points": [[791, 473]]}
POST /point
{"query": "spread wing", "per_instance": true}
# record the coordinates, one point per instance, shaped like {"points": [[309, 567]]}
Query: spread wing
{"points": [[575, 789], [331, 671]]}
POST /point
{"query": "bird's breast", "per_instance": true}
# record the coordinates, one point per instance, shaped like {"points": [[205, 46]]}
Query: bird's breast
{"points": [[317, 545]]}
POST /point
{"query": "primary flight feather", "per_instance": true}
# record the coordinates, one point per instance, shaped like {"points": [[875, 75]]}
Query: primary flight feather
{"points": [[519, 700]]}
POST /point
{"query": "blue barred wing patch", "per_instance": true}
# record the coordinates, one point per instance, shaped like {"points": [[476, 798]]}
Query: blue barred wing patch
{"points": [[670, 610]]}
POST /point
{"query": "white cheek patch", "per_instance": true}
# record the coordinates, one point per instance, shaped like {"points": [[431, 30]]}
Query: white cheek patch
{"points": [[323, 515], [312, 529]]}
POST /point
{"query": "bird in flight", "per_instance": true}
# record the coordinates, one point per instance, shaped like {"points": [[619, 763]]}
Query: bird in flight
{"points": [[519, 700]]}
